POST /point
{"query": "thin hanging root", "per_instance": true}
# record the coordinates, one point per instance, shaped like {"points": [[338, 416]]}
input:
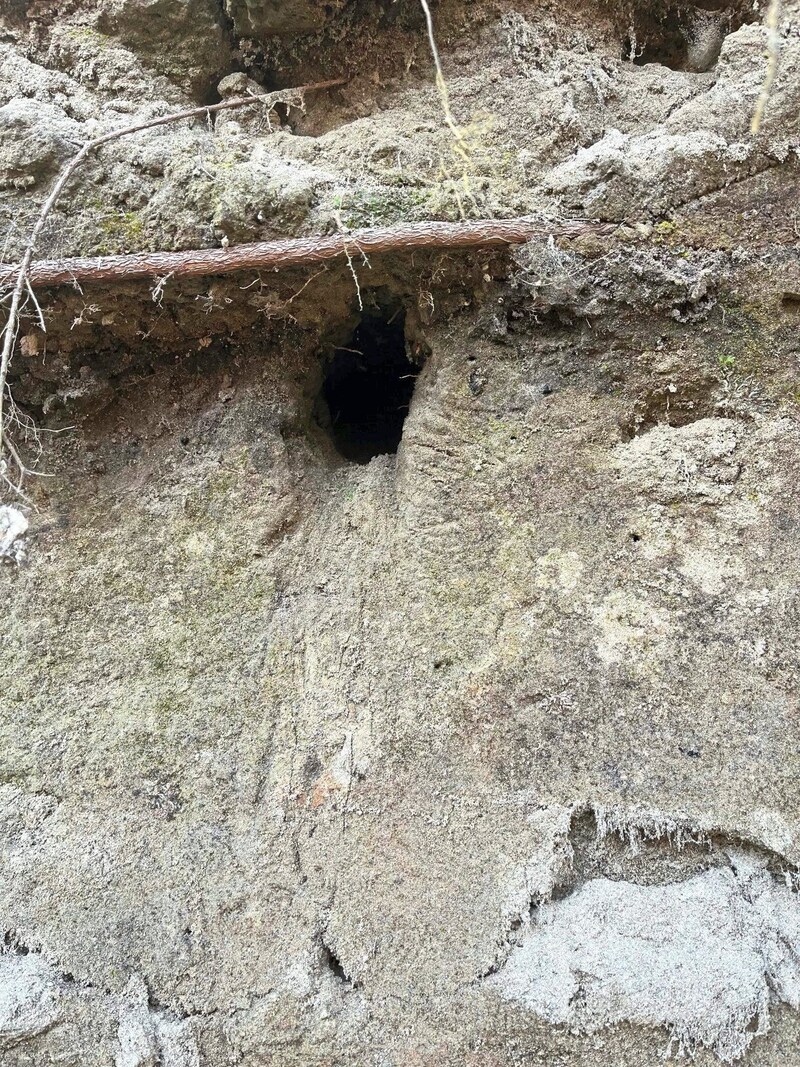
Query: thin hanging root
{"points": [[35, 302], [441, 84], [772, 23], [352, 270], [460, 148]]}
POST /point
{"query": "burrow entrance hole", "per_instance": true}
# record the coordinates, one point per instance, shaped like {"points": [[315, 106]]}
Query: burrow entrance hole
{"points": [[367, 387], [683, 36]]}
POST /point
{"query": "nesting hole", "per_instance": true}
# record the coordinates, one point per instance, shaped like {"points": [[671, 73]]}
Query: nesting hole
{"points": [[367, 388], [332, 962]]}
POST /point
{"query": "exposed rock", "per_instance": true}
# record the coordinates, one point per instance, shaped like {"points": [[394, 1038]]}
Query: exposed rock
{"points": [[620, 175], [28, 999], [148, 1038], [13, 526], [186, 40], [37, 138], [703, 957]]}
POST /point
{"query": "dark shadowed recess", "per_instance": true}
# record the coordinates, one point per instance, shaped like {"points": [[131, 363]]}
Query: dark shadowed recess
{"points": [[367, 388], [682, 35]]}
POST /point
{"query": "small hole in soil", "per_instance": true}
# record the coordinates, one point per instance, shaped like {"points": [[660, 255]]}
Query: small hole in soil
{"points": [[367, 388], [11, 941], [334, 964], [210, 97], [282, 111], [790, 302]]}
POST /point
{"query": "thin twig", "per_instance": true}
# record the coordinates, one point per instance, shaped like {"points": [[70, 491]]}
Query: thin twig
{"points": [[306, 284]]}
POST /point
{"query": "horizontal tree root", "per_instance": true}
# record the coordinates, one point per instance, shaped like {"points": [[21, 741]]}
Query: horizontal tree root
{"points": [[299, 252]]}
